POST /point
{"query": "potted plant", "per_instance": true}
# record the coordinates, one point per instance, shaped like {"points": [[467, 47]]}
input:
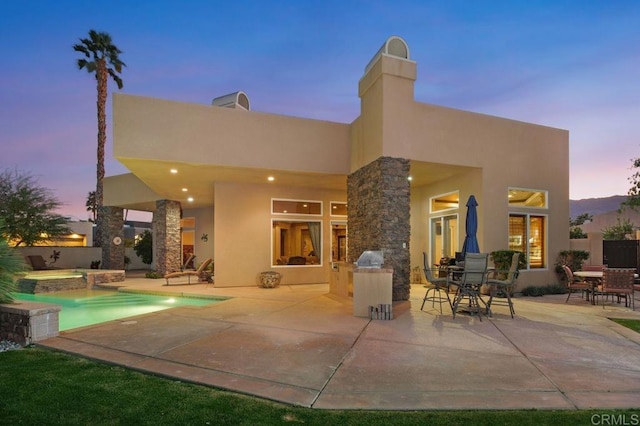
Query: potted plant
{"points": [[270, 279]]}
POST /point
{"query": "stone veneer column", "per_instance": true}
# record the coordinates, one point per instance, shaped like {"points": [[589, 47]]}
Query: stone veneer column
{"points": [[378, 217], [166, 238], [113, 224]]}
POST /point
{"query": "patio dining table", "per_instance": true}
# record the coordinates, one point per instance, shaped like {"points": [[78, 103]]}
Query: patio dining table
{"points": [[469, 290], [593, 278]]}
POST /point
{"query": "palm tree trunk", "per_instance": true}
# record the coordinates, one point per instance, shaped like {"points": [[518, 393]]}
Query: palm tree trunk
{"points": [[101, 77]]}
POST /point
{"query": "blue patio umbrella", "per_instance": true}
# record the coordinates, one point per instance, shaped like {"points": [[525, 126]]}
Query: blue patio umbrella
{"points": [[471, 223]]}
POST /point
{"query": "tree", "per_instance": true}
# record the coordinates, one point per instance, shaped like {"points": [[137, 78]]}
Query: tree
{"points": [[11, 262], [575, 231], [619, 231], [91, 205], [100, 57], [27, 210], [144, 247], [633, 196]]}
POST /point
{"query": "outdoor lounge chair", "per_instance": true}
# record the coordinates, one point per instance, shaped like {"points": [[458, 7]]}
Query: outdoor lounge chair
{"points": [[38, 263], [189, 263], [189, 274]]}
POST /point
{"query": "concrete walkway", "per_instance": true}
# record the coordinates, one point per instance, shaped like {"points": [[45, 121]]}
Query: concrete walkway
{"points": [[300, 345]]}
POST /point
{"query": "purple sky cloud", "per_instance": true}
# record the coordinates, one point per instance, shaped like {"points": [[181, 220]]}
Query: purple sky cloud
{"points": [[571, 65]]}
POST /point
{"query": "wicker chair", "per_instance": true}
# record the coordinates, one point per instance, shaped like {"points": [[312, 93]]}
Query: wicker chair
{"points": [[574, 285], [618, 282]]}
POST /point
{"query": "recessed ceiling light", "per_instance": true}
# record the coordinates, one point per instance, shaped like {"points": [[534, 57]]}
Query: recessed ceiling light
{"points": [[174, 171], [410, 178], [190, 199], [271, 178], [184, 189]]}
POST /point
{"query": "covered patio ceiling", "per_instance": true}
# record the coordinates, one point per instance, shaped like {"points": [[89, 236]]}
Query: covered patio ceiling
{"points": [[196, 181]]}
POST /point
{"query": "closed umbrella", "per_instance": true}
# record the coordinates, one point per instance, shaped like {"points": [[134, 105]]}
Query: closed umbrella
{"points": [[471, 223]]}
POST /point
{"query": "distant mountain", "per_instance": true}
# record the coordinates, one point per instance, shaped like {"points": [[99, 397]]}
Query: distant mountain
{"points": [[595, 206]]}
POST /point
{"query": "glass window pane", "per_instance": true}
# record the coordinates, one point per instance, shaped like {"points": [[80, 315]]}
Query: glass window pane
{"points": [[297, 207], [443, 202], [527, 234], [296, 243], [520, 197], [536, 242], [338, 209], [517, 233]]}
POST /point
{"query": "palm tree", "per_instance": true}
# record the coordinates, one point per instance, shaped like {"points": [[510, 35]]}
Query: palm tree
{"points": [[101, 58], [91, 205]]}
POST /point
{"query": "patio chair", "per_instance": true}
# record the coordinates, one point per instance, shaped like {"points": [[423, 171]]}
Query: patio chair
{"points": [[189, 263], [38, 263], [435, 285], [197, 273], [473, 277], [574, 285], [618, 282], [504, 286]]}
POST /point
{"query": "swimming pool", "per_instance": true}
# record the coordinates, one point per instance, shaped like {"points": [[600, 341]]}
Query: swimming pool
{"points": [[81, 308]]}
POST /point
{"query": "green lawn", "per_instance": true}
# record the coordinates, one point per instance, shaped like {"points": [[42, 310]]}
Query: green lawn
{"points": [[629, 323], [51, 388]]}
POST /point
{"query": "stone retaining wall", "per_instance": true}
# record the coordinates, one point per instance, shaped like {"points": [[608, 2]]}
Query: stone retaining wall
{"points": [[52, 281], [29, 322]]}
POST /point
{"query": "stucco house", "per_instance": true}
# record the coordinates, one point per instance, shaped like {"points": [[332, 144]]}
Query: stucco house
{"points": [[258, 191]]}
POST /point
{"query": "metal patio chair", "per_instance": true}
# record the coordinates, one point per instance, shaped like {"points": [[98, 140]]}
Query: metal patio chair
{"points": [[504, 286], [435, 286], [473, 277]]}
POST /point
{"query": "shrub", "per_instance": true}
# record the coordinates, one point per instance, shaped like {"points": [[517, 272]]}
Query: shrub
{"points": [[502, 259], [153, 275], [572, 258], [536, 291], [11, 262]]}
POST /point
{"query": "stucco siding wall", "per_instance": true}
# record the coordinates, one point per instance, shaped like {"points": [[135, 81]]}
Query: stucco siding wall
{"points": [[182, 132], [242, 222], [204, 225]]}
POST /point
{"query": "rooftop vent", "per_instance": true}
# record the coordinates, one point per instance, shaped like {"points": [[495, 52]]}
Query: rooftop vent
{"points": [[236, 100], [394, 46]]}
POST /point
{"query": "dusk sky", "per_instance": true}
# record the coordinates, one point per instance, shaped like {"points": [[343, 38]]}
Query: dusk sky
{"points": [[573, 65]]}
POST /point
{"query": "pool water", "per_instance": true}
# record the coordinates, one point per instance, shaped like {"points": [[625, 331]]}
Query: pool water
{"points": [[87, 307]]}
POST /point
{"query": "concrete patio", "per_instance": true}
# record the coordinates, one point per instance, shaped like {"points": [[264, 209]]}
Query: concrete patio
{"points": [[302, 346]]}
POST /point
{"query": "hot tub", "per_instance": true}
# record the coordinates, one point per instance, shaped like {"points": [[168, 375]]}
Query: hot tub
{"points": [[67, 279]]}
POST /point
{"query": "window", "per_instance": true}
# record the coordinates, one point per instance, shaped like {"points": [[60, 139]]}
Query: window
{"points": [[338, 241], [520, 197], [444, 237], [527, 233], [296, 242], [297, 207], [449, 201], [338, 208]]}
